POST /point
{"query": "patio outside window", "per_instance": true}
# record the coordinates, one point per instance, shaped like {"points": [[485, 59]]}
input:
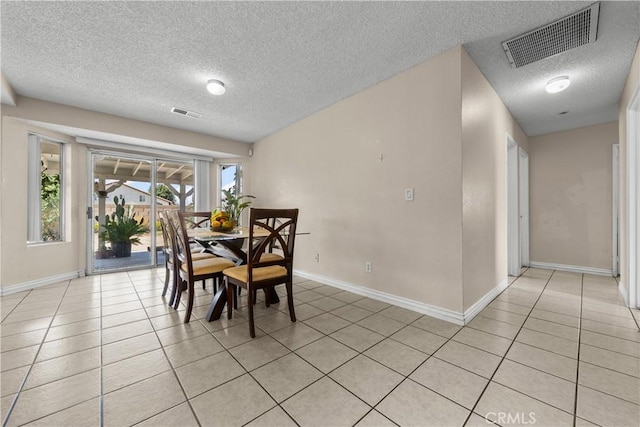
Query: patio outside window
{"points": [[230, 178], [45, 191]]}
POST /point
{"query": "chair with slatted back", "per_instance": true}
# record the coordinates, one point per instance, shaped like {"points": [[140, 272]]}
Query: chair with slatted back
{"points": [[199, 220], [170, 219], [169, 263], [267, 227], [192, 270], [268, 254]]}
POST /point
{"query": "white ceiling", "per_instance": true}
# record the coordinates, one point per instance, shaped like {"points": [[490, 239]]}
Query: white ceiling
{"points": [[282, 61]]}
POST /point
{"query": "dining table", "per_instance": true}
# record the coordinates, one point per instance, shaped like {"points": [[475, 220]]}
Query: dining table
{"points": [[228, 244]]}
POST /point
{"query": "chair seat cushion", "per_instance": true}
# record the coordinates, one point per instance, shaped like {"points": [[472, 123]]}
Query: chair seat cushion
{"points": [[201, 255], [194, 251], [268, 256], [262, 273], [209, 266]]}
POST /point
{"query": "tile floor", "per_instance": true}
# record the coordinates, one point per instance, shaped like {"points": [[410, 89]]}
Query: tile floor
{"points": [[554, 349]]}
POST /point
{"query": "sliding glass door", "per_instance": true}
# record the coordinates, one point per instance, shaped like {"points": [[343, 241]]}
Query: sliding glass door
{"points": [[174, 191], [127, 193]]}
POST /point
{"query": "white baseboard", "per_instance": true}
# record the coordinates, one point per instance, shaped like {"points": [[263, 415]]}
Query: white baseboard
{"points": [[624, 293], [420, 307], [573, 268], [479, 305], [430, 310], [25, 286]]}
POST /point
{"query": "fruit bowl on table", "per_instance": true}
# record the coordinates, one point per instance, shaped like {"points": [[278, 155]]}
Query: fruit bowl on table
{"points": [[223, 229], [221, 221]]}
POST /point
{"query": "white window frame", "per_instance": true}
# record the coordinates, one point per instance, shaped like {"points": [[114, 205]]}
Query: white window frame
{"points": [[239, 180], [34, 190], [239, 184]]}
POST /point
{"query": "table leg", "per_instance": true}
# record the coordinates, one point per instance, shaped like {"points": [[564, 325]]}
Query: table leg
{"points": [[217, 303], [272, 295]]}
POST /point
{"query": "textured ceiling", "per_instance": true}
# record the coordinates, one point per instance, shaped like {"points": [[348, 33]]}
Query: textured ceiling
{"points": [[282, 61], [598, 73]]}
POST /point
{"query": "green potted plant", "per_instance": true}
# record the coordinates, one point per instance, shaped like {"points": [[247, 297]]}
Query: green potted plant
{"points": [[122, 229], [234, 205]]}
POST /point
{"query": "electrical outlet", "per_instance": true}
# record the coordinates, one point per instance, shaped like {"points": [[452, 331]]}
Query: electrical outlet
{"points": [[408, 194], [367, 267], [317, 257]]}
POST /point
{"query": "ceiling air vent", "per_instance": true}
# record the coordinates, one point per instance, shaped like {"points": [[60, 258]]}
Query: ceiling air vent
{"points": [[564, 34], [186, 113]]}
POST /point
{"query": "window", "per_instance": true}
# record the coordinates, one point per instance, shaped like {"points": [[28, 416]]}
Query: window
{"points": [[230, 180], [45, 190], [141, 199]]}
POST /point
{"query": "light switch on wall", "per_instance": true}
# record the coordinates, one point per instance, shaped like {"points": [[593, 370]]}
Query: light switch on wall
{"points": [[408, 194]]}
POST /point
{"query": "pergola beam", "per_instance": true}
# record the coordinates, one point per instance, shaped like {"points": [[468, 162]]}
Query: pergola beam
{"points": [[173, 191], [174, 172], [142, 175], [137, 168]]}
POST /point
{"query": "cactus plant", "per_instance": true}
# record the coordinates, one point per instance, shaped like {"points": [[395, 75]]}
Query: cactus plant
{"points": [[122, 227]]}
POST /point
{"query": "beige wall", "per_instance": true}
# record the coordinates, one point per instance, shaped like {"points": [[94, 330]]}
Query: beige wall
{"points": [[630, 88], [571, 196], [21, 263], [353, 203], [485, 124], [42, 111], [441, 129]]}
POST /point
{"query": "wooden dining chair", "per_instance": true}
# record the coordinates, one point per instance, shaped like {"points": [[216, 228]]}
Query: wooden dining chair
{"points": [[198, 220], [170, 219], [269, 254], [191, 269], [198, 251], [167, 249], [267, 227]]}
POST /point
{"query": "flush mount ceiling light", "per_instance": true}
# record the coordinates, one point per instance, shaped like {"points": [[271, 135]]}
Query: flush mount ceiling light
{"points": [[216, 87], [558, 84]]}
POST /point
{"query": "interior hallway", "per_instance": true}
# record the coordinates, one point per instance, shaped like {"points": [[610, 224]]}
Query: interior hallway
{"points": [[107, 350]]}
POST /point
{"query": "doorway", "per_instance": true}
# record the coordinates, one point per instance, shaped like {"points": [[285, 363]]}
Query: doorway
{"points": [[513, 220], [633, 202], [127, 193], [517, 208], [615, 212], [523, 175]]}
